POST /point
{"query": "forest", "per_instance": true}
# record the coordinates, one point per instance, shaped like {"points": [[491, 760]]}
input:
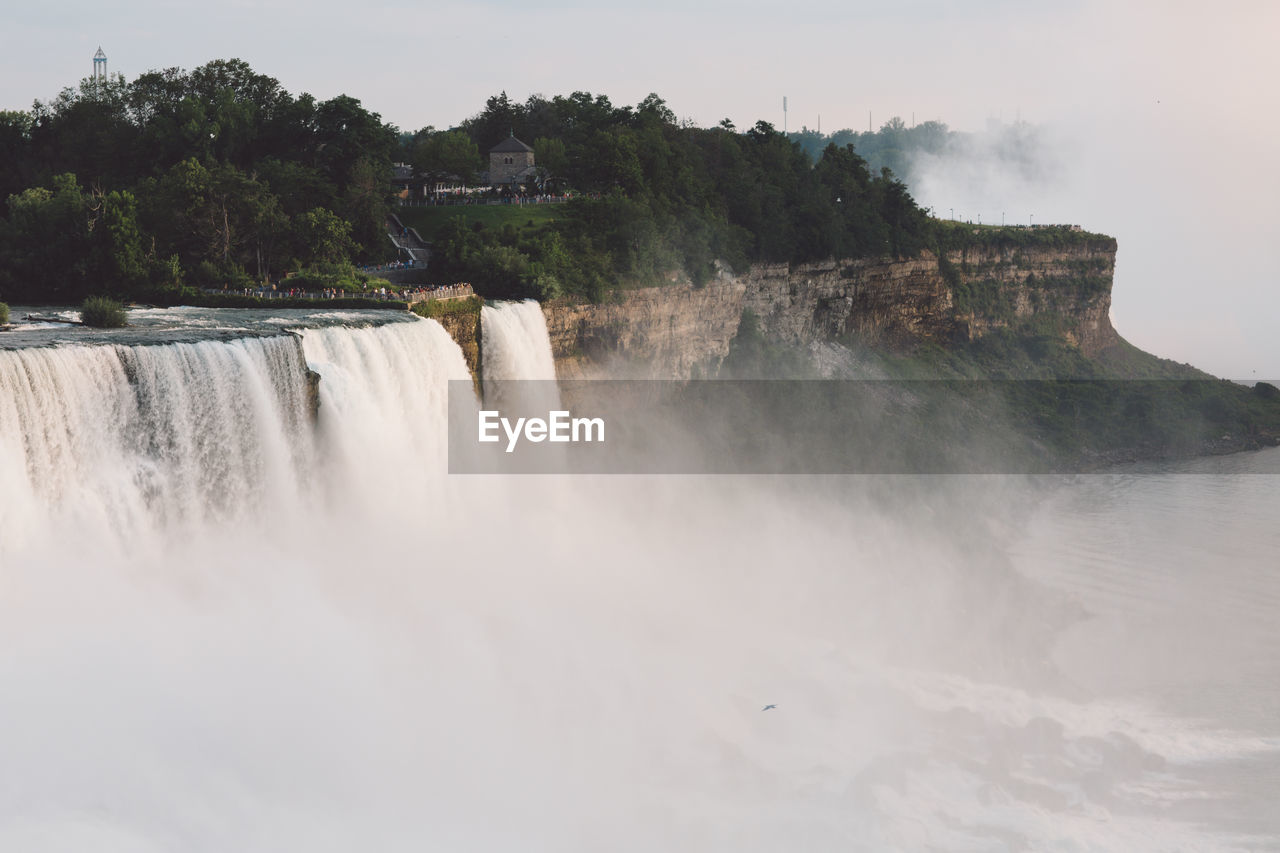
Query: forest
{"points": [[176, 181]]}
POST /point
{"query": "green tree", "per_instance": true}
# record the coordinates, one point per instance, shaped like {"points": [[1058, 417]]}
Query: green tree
{"points": [[551, 157], [44, 243], [325, 236], [118, 259], [444, 154]]}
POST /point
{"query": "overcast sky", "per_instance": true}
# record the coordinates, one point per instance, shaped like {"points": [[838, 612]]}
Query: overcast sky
{"points": [[1162, 116]]}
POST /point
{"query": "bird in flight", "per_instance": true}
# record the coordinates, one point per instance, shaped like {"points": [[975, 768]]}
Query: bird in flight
{"points": [[767, 707]]}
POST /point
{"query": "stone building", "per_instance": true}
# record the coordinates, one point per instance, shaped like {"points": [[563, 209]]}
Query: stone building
{"points": [[511, 163]]}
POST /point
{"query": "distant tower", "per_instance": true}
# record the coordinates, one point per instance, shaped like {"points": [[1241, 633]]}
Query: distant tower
{"points": [[99, 66]]}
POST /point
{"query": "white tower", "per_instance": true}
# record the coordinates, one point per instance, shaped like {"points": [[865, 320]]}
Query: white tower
{"points": [[99, 66]]}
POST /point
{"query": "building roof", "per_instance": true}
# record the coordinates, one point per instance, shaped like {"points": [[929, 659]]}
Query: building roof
{"points": [[509, 144]]}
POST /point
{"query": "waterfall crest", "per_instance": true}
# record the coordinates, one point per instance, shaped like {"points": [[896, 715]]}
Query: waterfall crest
{"points": [[516, 343], [519, 369], [136, 440], [134, 437]]}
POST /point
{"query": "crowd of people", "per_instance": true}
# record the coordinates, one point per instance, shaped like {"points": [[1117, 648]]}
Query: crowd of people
{"points": [[390, 265], [413, 293], [449, 199]]}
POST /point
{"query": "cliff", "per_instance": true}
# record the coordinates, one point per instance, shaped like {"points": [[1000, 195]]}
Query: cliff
{"points": [[464, 327], [678, 330]]}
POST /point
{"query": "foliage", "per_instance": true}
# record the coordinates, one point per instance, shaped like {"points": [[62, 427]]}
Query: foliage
{"points": [[428, 221], [219, 176], [1072, 411], [960, 237], [103, 312], [441, 307], [445, 155], [214, 175], [4, 314], [670, 197], [753, 356], [902, 148]]}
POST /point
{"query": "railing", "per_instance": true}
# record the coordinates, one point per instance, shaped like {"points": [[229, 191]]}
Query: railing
{"points": [[482, 201], [382, 294]]}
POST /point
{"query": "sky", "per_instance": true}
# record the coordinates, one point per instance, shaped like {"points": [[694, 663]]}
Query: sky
{"points": [[1159, 117]]}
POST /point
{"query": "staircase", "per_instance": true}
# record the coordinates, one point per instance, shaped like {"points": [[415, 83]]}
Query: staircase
{"points": [[408, 240]]}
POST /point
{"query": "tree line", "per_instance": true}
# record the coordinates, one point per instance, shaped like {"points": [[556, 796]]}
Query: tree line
{"points": [[219, 176], [201, 178], [667, 195]]}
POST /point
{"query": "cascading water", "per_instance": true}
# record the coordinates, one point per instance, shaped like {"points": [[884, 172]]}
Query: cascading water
{"points": [[516, 343], [146, 438], [224, 626], [383, 406], [518, 366]]}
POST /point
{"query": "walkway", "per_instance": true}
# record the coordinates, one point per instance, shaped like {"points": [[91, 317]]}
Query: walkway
{"points": [[408, 240], [408, 295]]}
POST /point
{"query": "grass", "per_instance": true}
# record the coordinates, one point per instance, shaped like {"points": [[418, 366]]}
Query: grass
{"points": [[441, 307], [429, 220]]}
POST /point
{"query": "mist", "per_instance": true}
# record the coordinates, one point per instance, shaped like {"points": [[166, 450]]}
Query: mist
{"points": [[1157, 133], [392, 657]]}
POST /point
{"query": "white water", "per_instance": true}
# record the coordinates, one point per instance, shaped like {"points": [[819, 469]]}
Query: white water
{"points": [[515, 341], [123, 442], [222, 628]]}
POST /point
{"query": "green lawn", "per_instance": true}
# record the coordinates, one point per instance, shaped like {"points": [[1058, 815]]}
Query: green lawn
{"points": [[430, 219]]}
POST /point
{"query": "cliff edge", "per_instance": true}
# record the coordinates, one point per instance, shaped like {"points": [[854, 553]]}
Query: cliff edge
{"points": [[682, 331]]}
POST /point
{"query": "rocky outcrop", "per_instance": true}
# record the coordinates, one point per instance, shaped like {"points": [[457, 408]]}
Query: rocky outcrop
{"points": [[464, 327], [674, 331], [882, 303], [313, 392], [996, 287], [678, 330]]}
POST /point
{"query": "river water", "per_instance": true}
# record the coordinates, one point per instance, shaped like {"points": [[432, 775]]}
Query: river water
{"points": [[1178, 567], [225, 626]]}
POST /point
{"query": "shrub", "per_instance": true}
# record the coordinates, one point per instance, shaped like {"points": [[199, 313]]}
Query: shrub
{"points": [[4, 314], [103, 312], [440, 307]]}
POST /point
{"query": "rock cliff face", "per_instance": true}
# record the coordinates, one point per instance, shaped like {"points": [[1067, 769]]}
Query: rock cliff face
{"points": [[997, 287], [464, 327], [679, 331], [667, 332]]}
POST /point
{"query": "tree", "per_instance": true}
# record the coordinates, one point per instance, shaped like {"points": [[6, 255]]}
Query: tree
{"points": [[366, 203], [450, 153], [654, 109], [118, 259], [325, 237], [551, 157], [44, 243], [15, 152], [499, 119], [346, 133]]}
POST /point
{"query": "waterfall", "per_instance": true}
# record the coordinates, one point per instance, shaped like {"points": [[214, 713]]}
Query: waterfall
{"points": [[136, 438], [384, 405], [516, 343], [226, 624], [143, 440], [519, 370]]}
